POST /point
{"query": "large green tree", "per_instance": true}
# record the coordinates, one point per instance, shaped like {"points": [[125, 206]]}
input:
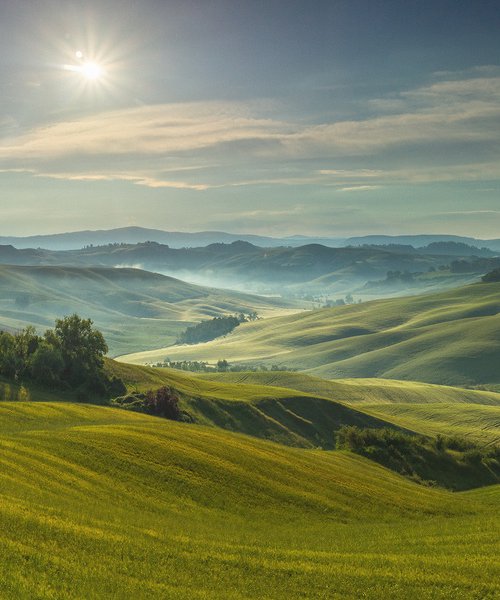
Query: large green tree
{"points": [[82, 348]]}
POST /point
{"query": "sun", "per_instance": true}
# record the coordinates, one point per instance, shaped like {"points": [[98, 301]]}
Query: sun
{"points": [[91, 70]]}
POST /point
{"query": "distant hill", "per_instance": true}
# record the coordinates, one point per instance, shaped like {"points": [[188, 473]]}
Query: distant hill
{"points": [[419, 241], [134, 235], [134, 308], [492, 276], [75, 240], [310, 269], [451, 338]]}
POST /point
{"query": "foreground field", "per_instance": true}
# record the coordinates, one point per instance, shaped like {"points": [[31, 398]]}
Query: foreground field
{"points": [[98, 503], [448, 338]]}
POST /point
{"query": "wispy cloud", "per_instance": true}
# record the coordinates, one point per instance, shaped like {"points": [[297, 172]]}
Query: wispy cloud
{"points": [[411, 140], [359, 188]]}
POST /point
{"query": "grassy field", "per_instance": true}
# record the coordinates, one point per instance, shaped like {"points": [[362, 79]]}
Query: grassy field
{"points": [[449, 338], [304, 411], [359, 391], [98, 502], [134, 309], [424, 408]]}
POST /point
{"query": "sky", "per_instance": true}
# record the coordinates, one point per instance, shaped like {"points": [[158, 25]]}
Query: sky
{"points": [[278, 117]]}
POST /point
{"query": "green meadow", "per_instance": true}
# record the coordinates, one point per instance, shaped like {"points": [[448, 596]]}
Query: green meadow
{"points": [[251, 498], [447, 338], [97, 502]]}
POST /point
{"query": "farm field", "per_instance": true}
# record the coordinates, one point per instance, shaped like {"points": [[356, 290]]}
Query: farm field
{"points": [[99, 502]]}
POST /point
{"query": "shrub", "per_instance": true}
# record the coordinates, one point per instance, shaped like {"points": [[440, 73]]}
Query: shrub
{"points": [[164, 402]]}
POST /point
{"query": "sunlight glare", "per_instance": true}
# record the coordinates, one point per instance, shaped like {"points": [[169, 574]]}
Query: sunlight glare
{"points": [[91, 70]]}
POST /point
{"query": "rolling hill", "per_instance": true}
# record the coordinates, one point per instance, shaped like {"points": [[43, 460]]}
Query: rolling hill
{"points": [[449, 338], [98, 502], [311, 269], [134, 308]]}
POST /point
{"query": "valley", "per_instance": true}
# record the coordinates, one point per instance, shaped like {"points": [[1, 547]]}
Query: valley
{"points": [[249, 482], [447, 338]]}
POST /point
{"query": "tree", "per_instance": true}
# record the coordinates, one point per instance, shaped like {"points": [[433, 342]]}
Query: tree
{"points": [[26, 343], [82, 348], [47, 364], [10, 363], [222, 365]]}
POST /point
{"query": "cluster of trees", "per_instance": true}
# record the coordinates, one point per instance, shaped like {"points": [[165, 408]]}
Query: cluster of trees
{"points": [[474, 265], [222, 366], [342, 301], [216, 327], [71, 355], [404, 276]]}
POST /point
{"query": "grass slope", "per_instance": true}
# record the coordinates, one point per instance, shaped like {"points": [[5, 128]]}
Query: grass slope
{"points": [[301, 410], [304, 411], [134, 308], [276, 413], [424, 408], [101, 503], [450, 338], [360, 391]]}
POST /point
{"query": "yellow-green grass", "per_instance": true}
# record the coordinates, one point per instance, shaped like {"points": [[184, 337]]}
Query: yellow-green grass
{"points": [[102, 503], [451, 338], [477, 422], [424, 408], [308, 410], [360, 391], [276, 413]]}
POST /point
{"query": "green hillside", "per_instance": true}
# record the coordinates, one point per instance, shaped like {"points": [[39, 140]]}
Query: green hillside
{"points": [[276, 413], [298, 409], [424, 408], [102, 503], [476, 421], [360, 391], [134, 308], [449, 338], [305, 411]]}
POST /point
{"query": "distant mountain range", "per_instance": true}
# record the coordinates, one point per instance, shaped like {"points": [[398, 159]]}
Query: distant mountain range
{"points": [[176, 239], [310, 269], [419, 241]]}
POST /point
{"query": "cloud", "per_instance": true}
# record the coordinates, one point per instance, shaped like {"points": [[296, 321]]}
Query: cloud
{"points": [[359, 188], [148, 130], [427, 134]]}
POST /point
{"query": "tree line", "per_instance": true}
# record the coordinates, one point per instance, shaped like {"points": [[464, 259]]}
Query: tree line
{"points": [[214, 328]]}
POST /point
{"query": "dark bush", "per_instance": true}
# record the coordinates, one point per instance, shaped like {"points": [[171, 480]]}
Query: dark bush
{"points": [[163, 402]]}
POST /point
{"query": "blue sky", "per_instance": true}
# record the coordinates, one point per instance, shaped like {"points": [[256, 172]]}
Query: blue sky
{"points": [[277, 117]]}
